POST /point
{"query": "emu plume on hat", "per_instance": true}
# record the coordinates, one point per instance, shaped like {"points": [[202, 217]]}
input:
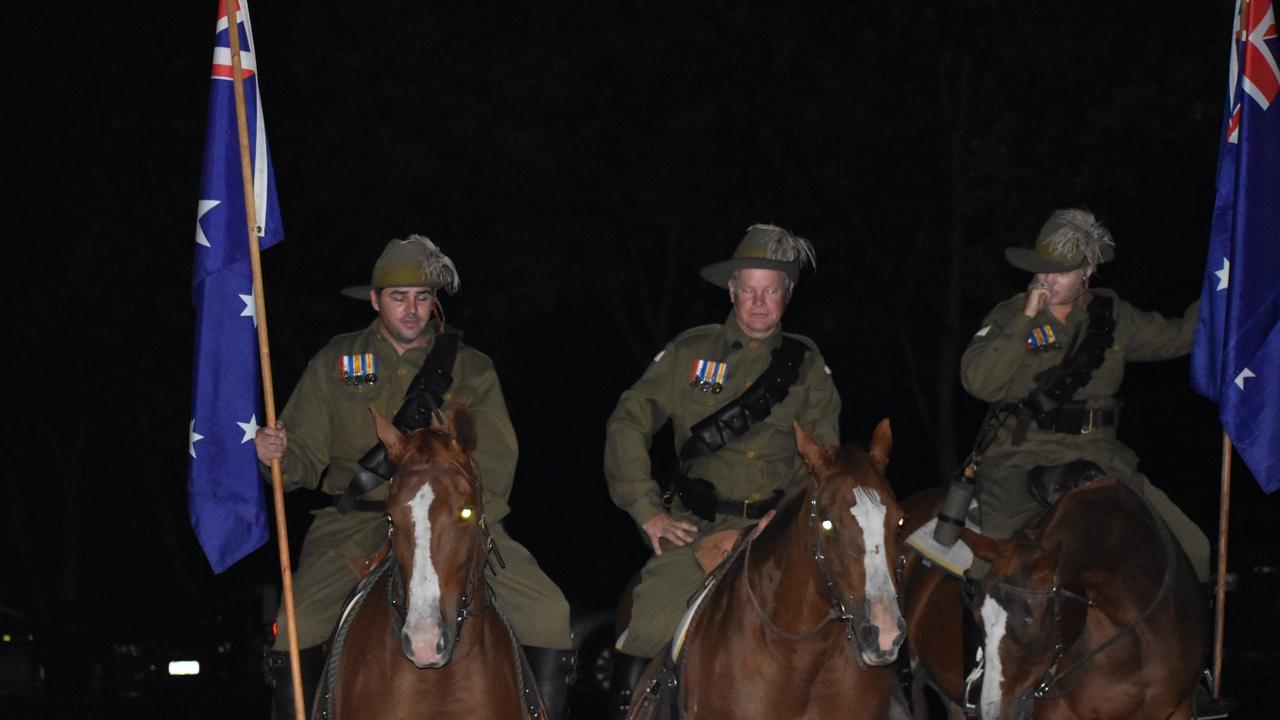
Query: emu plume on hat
{"points": [[768, 247], [412, 262], [1070, 239]]}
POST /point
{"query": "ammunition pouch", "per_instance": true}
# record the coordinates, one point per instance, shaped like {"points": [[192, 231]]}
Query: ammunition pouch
{"points": [[1049, 403], [751, 407]]}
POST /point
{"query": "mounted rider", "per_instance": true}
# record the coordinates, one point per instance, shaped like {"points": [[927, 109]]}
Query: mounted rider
{"points": [[731, 392], [1050, 360], [409, 365]]}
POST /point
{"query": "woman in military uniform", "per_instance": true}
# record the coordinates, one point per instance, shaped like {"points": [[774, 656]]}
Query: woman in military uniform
{"points": [[1050, 360]]}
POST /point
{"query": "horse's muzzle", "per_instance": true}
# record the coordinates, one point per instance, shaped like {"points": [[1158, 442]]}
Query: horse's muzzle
{"points": [[876, 653], [431, 648]]}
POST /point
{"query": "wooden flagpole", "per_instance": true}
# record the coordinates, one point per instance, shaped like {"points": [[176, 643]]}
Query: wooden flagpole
{"points": [[264, 352], [1220, 605]]}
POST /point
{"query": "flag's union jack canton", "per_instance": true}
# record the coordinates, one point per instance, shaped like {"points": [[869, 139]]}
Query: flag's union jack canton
{"points": [[1236, 356], [226, 501]]}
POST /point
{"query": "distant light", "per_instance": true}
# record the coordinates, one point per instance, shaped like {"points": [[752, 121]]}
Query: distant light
{"points": [[8, 637], [184, 667]]}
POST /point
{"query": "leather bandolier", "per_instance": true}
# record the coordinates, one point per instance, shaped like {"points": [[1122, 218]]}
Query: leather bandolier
{"points": [[423, 399], [1049, 404], [734, 420]]}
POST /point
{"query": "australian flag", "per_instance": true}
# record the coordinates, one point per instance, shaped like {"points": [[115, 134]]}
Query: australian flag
{"points": [[228, 510], [1236, 356]]}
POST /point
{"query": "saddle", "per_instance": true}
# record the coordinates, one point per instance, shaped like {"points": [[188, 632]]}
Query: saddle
{"points": [[660, 696], [1047, 483]]}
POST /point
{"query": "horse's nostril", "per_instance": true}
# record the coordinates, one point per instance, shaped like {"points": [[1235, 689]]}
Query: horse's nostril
{"points": [[902, 625], [440, 645], [869, 635]]}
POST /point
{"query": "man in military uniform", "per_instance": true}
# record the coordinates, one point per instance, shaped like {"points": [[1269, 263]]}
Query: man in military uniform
{"points": [[700, 374], [329, 431], [1016, 351]]}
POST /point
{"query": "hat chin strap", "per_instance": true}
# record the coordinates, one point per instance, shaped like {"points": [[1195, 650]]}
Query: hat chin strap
{"points": [[437, 313]]}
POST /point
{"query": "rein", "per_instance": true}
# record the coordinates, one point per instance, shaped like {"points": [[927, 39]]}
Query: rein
{"points": [[1060, 594]]}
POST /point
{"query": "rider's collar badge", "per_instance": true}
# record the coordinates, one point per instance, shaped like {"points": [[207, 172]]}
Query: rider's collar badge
{"points": [[1042, 339], [708, 375], [359, 369]]}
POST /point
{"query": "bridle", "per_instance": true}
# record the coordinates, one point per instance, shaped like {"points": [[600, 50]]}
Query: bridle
{"points": [[396, 601], [1060, 595], [843, 608]]}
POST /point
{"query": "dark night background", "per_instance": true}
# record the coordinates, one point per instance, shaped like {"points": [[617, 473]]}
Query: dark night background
{"points": [[579, 162]]}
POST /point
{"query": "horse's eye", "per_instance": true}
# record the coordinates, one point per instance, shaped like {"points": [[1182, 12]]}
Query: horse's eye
{"points": [[466, 513], [827, 525]]}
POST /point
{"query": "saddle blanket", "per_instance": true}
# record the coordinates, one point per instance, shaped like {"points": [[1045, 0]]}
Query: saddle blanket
{"points": [[955, 559]]}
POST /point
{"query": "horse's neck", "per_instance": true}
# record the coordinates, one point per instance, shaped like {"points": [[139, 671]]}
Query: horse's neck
{"points": [[782, 569], [1103, 531]]}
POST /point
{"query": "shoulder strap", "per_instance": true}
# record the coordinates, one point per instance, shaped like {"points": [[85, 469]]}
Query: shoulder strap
{"points": [[751, 407], [423, 398]]}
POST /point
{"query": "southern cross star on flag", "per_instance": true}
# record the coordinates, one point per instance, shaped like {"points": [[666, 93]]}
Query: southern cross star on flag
{"points": [[225, 491], [1236, 356]]}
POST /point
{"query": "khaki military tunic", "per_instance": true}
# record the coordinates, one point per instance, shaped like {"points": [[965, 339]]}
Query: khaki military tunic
{"points": [[1000, 365], [752, 466], [330, 428]]}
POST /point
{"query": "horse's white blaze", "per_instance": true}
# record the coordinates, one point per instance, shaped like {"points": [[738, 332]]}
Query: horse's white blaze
{"points": [[882, 599], [422, 622], [994, 619]]}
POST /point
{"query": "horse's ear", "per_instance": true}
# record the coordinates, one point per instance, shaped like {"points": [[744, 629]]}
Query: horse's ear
{"points": [[881, 444], [388, 433], [1047, 563], [816, 457], [981, 545], [462, 427]]}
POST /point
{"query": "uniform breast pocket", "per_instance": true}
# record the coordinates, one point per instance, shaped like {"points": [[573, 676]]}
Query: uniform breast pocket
{"points": [[350, 416]]}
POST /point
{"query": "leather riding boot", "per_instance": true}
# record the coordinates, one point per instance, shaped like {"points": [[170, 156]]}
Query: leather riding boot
{"points": [[627, 670], [279, 677], [554, 671]]}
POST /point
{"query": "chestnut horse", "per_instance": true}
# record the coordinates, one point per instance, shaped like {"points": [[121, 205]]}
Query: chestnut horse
{"points": [[1091, 611], [426, 637], [805, 613]]}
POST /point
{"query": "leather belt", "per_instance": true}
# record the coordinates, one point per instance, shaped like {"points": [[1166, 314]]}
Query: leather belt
{"points": [[751, 509], [1072, 420], [377, 506]]}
